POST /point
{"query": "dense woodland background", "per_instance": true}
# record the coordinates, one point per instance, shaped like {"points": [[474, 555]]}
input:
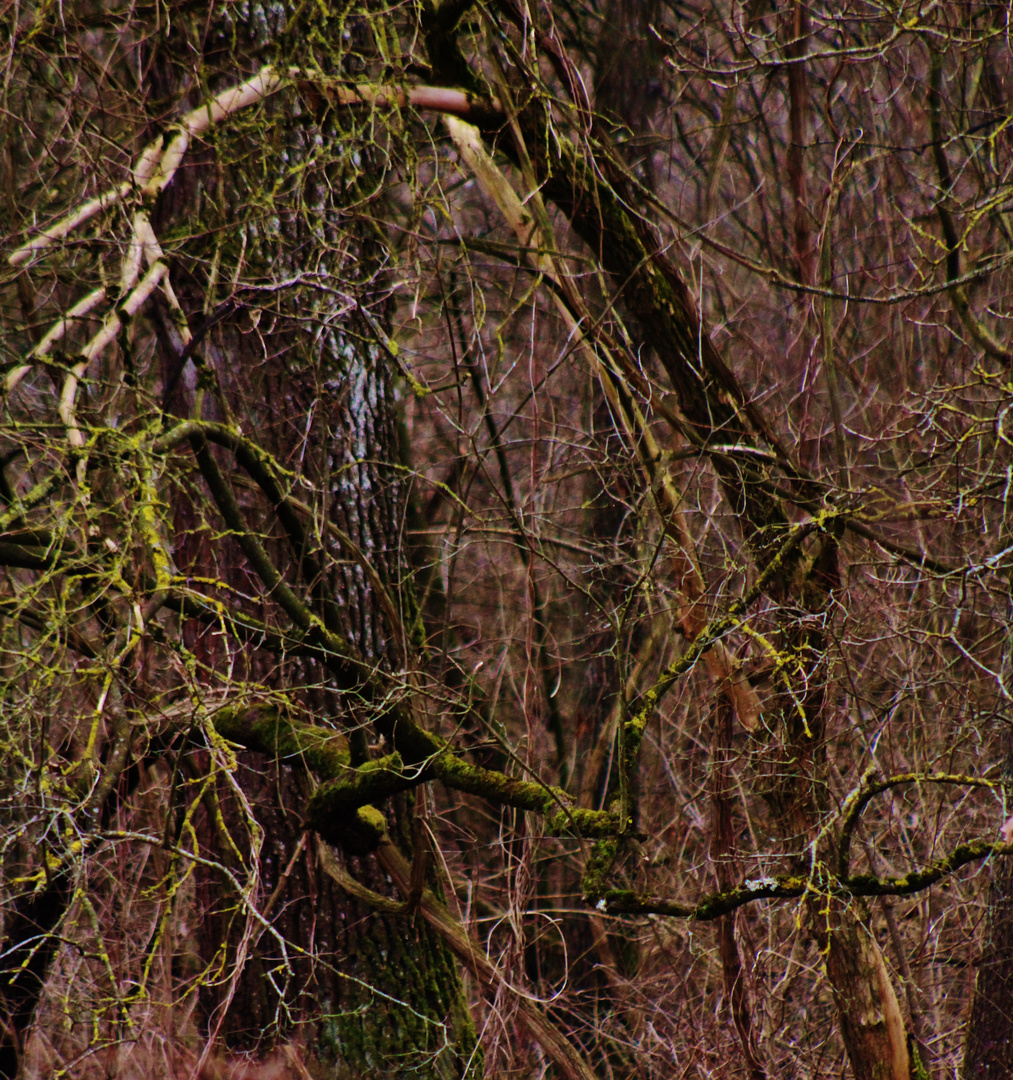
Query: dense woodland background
{"points": [[505, 526]]}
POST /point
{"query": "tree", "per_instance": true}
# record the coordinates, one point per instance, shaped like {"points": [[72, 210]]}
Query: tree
{"points": [[485, 560]]}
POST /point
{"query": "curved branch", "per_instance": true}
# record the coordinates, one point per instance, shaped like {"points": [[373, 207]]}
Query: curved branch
{"points": [[916, 880], [714, 905], [858, 799]]}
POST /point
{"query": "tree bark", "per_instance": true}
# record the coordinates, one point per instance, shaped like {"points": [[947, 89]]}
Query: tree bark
{"points": [[988, 1051], [367, 993], [29, 944], [872, 1025]]}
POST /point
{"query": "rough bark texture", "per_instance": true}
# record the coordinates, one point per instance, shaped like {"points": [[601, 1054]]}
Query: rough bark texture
{"points": [[627, 87], [368, 994], [30, 941]]}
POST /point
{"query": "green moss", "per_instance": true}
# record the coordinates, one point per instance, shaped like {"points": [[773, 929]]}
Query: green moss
{"points": [[599, 865], [402, 1012], [582, 822], [918, 1070], [266, 730]]}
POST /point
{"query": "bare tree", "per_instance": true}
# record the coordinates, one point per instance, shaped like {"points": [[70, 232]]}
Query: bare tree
{"points": [[505, 528]]}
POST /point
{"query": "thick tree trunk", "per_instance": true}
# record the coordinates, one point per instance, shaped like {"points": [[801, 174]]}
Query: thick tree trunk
{"points": [[627, 87], [872, 1025], [29, 944], [367, 994]]}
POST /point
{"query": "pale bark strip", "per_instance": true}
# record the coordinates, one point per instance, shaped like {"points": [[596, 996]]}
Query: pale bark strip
{"points": [[159, 161], [110, 328], [156, 167], [66, 225], [53, 335], [872, 1025]]}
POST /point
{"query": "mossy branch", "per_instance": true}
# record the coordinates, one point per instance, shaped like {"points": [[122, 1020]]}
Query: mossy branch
{"points": [[789, 886], [858, 799], [345, 790]]}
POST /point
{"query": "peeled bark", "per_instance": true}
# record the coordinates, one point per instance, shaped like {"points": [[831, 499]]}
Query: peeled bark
{"points": [[872, 1026]]}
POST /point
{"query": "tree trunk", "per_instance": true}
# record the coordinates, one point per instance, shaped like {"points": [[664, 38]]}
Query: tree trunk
{"points": [[368, 994], [872, 1026]]}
